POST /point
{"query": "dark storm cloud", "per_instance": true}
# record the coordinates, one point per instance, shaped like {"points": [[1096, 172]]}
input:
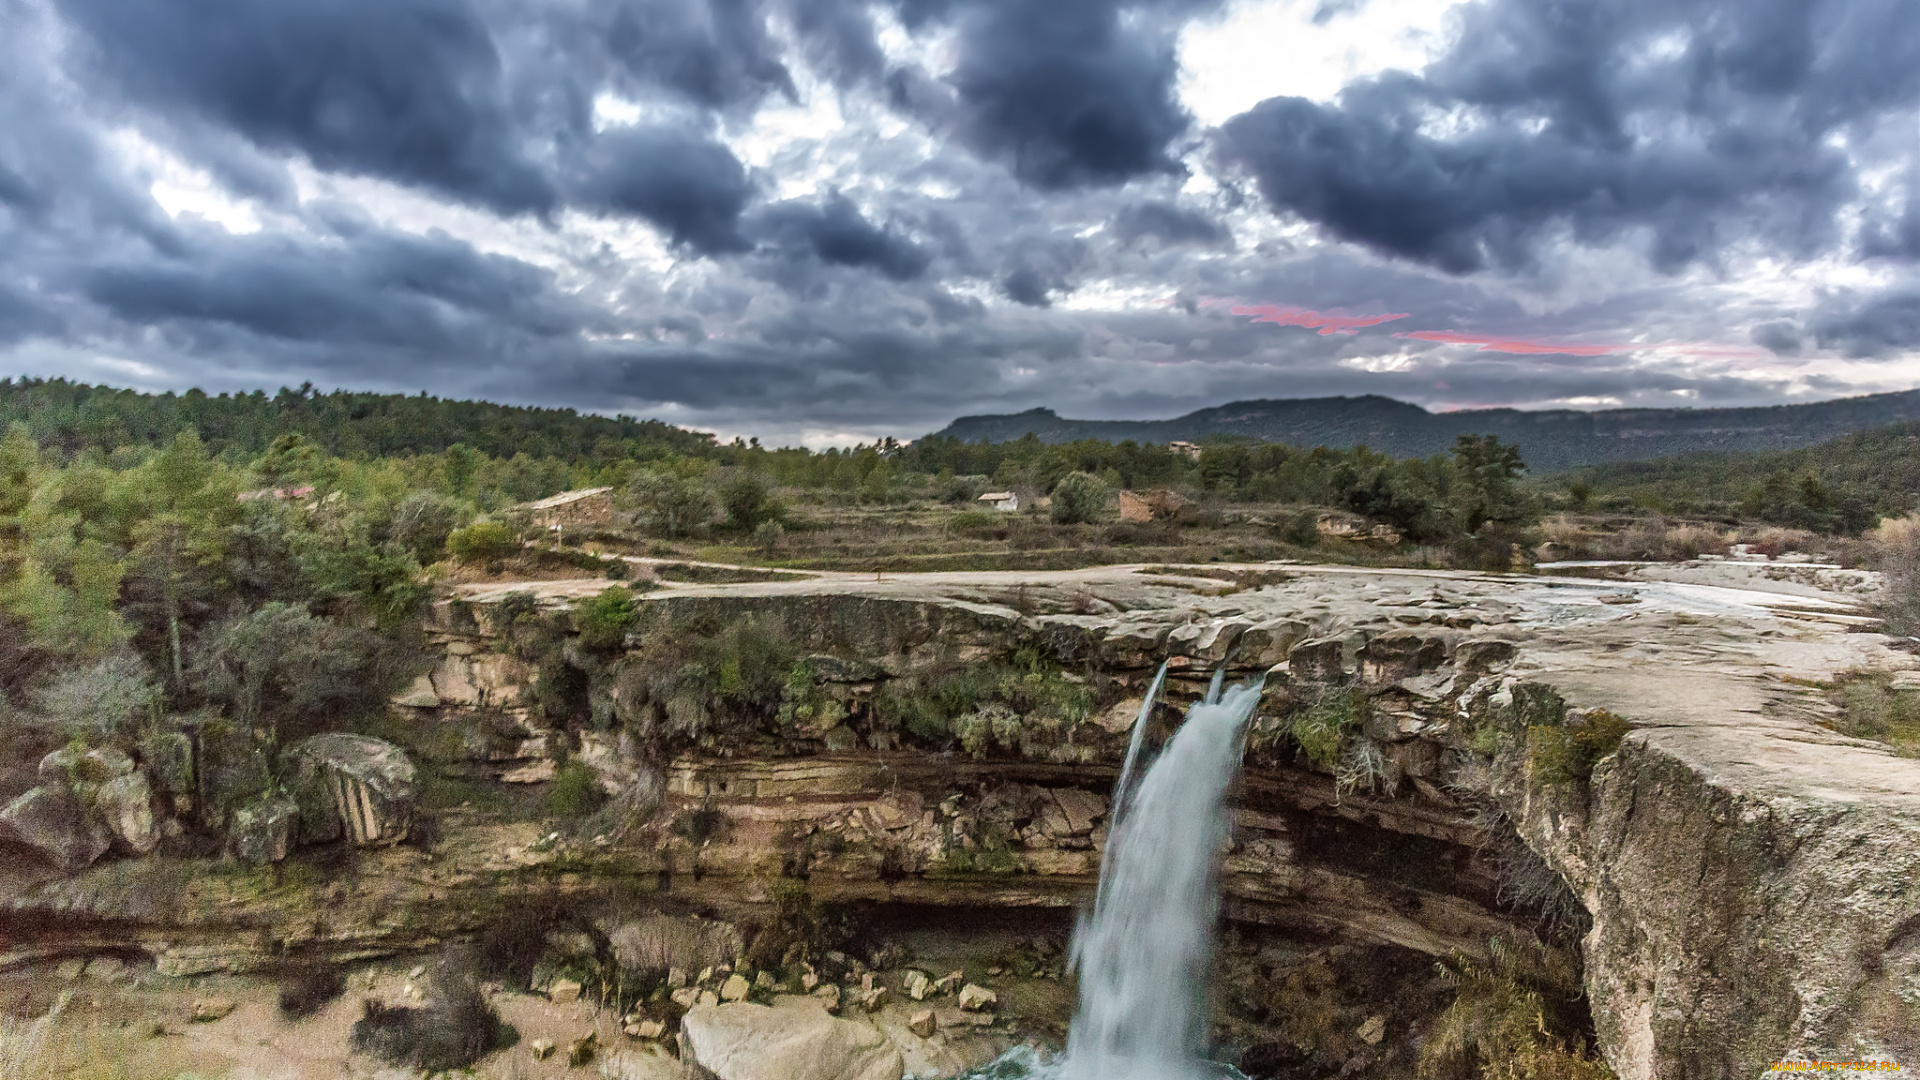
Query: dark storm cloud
{"points": [[403, 89], [838, 39], [1068, 93], [689, 186], [1580, 126], [425, 295], [1871, 327], [1169, 224], [715, 52], [936, 284], [1782, 337], [1894, 238], [835, 232]]}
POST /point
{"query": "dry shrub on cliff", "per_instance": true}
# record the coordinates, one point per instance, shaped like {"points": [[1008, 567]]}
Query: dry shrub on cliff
{"points": [[1511, 1018], [1870, 708], [456, 1027], [1896, 547]]}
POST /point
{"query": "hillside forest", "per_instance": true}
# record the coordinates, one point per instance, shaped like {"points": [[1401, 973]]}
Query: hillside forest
{"points": [[266, 559]]}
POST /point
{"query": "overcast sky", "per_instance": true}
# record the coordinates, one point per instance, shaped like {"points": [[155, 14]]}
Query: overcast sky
{"points": [[824, 221]]}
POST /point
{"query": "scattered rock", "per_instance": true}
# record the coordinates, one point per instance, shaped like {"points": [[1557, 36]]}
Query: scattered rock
{"points": [[542, 1049], [875, 999], [763, 981], [54, 823], [921, 1023], [808, 981], [829, 995], [735, 988], [977, 998], [537, 772], [676, 978], [207, 1010], [420, 695], [101, 764], [795, 1041], [1373, 1030], [950, 983], [1120, 718], [580, 1050], [918, 985], [563, 991], [262, 831], [686, 997], [647, 1029], [708, 997], [107, 969], [1082, 809]]}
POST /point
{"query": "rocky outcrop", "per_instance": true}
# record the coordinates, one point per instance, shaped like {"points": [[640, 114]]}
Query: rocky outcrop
{"points": [[1749, 876], [353, 784]]}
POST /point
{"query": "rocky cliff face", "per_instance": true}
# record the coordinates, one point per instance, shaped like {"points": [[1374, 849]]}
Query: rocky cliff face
{"points": [[1440, 760]]}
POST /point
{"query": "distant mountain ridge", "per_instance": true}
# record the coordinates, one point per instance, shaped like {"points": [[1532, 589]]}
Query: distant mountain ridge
{"points": [[1549, 440]]}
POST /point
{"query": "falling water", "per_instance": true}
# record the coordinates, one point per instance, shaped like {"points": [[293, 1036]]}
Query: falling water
{"points": [[1144, 953]]}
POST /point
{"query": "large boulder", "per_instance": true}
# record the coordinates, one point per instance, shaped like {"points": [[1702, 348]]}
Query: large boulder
{"points": [[794, 1040], [262, 831], [353, 784], [54, 822], [125, 805]]}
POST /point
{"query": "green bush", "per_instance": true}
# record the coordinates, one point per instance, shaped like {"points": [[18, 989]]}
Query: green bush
{"points": [[483, 542], [1562, 754], [604, 620], [1079, 497], [575, 793], [1301, 529], [670, 504], [748, 504]]}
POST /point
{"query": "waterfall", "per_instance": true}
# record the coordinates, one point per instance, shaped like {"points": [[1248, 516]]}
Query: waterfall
{"points": [[1143, 955]]}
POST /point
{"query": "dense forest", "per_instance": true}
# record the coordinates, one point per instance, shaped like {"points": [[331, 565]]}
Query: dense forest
{"points": [[1844, 485]]}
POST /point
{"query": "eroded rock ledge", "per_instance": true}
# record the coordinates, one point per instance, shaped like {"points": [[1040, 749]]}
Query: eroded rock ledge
{"points": [[1751, 877]]}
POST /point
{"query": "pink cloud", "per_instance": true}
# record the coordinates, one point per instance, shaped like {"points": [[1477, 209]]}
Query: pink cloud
{"points": [[1336, 321]]}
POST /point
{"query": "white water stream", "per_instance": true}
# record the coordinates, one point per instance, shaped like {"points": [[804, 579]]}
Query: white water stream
{"points": [[1144, 953]]}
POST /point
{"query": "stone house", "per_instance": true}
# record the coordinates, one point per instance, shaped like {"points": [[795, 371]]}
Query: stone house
{"points": [[1003, 501]]}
